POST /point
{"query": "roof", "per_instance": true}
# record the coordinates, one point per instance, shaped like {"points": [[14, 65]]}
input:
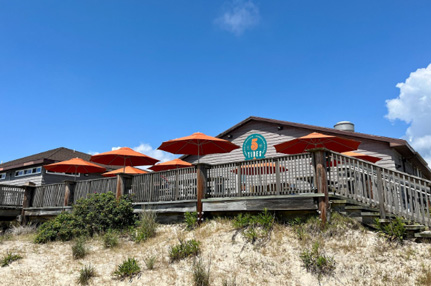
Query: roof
{"points": [[50, 156], [400, 145]]}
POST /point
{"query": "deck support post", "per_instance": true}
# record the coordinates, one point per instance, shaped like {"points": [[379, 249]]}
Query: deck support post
{"points": [[321, 181], [69, 192], [201, 182], [120, 186], [380, 193], [28, 200]]}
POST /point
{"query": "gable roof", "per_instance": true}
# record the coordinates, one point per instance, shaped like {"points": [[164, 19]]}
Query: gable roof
{"points": [[50, 156], [400, 145]]}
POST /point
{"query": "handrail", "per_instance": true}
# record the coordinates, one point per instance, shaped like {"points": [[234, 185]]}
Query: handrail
{"points": [[11, 195]]}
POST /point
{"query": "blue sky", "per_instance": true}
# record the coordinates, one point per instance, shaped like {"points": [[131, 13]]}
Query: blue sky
{"points": [[92, 75]]}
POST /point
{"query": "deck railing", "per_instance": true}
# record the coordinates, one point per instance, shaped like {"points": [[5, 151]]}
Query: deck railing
{"points": [[96, 186], [49, 195], [11, 195], [273, 176], [393, 192]]}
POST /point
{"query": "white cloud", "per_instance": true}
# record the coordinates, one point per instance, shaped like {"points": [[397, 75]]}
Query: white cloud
{"points": [[413, 106], [238, 16], [92, 153]]}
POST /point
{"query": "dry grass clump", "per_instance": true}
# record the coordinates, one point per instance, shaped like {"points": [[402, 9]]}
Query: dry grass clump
{"points": [[424, 278], [201, 273], [78, 249], [85, 274], [150, 261], [17, 230], [146, 227]]}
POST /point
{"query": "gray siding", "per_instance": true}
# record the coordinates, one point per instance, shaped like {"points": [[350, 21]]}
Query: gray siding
{"points": [[274, 136]]}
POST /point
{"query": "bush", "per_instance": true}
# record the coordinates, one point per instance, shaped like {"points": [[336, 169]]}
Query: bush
{"points": [[317, 263], [256, 226], [85, 274], [78, 249], [191, 220], [9, 258], [95, 214], [201, 276], [184, 249], [128, 268], [110, 239], [394, 231], [149, 262], [147, 226]]}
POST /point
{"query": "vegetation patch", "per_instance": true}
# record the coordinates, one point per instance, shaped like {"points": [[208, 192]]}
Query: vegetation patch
{"points": [[128, 269], [85, 274], [9, 258], [184, 249], [146, 228], [78, 249], [96, 214], [191, 220], [201, 274], [316, 262], [150, 261], [393, 231], [255, 227], [110, 239]]}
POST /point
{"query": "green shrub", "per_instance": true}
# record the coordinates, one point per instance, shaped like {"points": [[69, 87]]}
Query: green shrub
{"points": [[85, 274], [63, 227], [96, 214], [128, 268], [9, 258], [201, 276], [146, 228], [191, 220], [184, 249], [256, 226], [78, 249], [242, 221], [394, 231], [149, 262], [317, 263], [110, 239], [100, 212]]}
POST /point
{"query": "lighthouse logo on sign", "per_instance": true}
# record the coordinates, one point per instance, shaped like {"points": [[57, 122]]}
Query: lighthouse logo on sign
{"points": [[254, 147]]}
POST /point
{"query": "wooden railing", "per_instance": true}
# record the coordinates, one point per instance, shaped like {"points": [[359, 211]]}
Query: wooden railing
{"points": [[390, 191], [179, 184], [11, 195], [97, 186], [274, 176], [49, 195]]}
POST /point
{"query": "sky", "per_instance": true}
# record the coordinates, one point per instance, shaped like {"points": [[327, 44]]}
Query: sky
{"points": [[95, 75]]}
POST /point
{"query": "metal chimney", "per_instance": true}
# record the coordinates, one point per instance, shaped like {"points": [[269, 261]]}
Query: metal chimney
{"points": [[345, 126]]}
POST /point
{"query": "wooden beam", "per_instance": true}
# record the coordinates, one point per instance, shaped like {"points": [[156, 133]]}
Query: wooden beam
{"points": [[321, 181], [28, 200]]}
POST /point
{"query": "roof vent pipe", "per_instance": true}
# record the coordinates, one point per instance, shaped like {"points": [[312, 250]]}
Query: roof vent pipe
{"points": [[345, 126]]}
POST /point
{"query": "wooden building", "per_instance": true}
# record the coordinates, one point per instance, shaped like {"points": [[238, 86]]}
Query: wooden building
{"points": [[29, 169], [396, 154]]}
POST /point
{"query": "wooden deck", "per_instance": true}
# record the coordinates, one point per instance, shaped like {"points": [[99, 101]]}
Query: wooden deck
{"points": [[292, 183]]}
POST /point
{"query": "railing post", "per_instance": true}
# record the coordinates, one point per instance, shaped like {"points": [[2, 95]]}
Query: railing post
{"points": [[177, 185], [69, 192], [321, 181], [277, 176], [238, 179], [201, 181], [28, 200], [120, 186], [380, 193]]}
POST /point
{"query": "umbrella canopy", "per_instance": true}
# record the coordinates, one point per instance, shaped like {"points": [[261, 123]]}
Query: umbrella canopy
{"points": [[123, 157], [126, 170], [259, 169], [361, 156], [75, 165], [169, 165], [317, 140], [198, 144]]}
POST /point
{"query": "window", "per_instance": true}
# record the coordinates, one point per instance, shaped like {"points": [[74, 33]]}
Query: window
{"points": [[30, 171], [63, 174], [2, 176]]}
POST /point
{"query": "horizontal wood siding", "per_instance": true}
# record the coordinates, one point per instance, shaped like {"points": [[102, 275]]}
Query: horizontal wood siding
{"points": [[274, 136], [21, 181]]}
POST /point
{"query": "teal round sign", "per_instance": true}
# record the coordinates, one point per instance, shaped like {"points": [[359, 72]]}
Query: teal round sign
{"points": [[254, 147]]}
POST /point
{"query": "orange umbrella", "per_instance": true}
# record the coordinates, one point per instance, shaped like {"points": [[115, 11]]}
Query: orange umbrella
{"points": [[317, 140], [123, 157], [198, 144], [76, 166], [262, 168], [173, 164], [126, 170], [361, 156]]}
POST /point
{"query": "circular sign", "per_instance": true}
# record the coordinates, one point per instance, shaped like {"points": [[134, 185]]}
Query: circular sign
{"points": [[254, 147]]}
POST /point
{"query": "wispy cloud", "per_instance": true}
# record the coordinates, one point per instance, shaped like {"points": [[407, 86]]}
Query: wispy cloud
{"points": [[413, 106], [238, 16], [148, 150]]}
